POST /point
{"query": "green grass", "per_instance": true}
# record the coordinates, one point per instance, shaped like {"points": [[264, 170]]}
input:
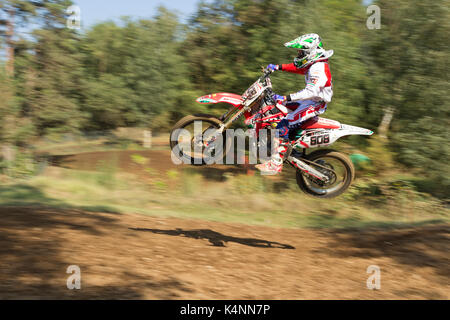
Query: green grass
{"points": [[243, 199]]}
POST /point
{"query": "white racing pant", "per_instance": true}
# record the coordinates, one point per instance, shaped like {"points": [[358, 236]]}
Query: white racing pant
{"points": [[305, 110]]}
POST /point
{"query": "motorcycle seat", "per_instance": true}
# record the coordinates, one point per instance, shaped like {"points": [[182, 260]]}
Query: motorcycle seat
{"points": [[320, 123]]}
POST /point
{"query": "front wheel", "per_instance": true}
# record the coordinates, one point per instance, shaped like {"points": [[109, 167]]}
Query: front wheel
{"points": [[337, 166], [193, 140]]}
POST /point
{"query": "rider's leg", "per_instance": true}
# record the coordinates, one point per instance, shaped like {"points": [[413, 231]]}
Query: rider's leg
{"points": [[305, 111], [281, 147]]}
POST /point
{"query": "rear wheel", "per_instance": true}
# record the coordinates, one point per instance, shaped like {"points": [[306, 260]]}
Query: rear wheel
{"points": [[337, 166], [194, 140]]}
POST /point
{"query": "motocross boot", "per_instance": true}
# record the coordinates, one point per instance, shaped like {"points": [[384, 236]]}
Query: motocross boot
{"points": [[275, 165]]}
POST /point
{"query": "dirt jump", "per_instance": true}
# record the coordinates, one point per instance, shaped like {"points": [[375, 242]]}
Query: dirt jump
{"points": [[140, 257]]}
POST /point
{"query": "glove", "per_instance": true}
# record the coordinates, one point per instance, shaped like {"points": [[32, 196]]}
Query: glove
{"points": [[279, 99], [273, 67]]}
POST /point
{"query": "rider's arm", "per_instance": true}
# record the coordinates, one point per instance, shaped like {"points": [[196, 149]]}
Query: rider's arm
{"points": [[291, 68], [318, 79]]}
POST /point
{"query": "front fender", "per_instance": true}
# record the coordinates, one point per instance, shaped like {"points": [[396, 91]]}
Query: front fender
{"points": [[223, 97]]}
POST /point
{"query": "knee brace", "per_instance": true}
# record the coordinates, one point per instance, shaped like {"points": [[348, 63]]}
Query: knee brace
{"points": [[283, 129]]}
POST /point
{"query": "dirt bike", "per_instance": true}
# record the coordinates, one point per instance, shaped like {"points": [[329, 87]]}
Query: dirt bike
{"points": [[323, 173]]}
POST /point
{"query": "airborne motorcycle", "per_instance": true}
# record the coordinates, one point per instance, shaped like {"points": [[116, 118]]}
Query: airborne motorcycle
{"points": [[323, 173]]}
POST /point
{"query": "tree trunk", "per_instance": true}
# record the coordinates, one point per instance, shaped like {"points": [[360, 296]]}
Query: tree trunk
{"points": [[10, 43], [147, 139], [9, 155], [8, 152], [383, 129]]}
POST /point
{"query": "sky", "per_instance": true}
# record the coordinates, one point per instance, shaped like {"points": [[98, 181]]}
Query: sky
{"points": [[94, 11]]}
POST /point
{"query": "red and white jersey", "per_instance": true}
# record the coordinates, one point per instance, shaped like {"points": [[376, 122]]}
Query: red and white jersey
{"points": [[319, 85]]}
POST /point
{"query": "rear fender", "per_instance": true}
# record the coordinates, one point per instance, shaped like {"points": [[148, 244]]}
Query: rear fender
{"points": [[347, 130]]}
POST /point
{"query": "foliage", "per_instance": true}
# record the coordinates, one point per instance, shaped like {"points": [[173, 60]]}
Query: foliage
{"points": [[22, 167], [409, 57], [147, 73], [135, 72]]}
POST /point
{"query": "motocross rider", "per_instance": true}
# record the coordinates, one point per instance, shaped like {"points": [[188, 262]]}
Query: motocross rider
{"points": [[312, 61]]}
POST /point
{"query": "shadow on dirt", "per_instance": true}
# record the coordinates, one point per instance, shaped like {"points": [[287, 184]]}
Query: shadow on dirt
{"points": [[64, 161], [217, 239], [219, 173], [427, 246], [31, 252], [38, 244], [88, 161]]}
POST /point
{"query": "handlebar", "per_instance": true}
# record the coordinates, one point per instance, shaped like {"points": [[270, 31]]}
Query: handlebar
{"points": [[266, 74]]}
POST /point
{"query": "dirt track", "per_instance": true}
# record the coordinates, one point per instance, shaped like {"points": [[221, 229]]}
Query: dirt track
{"points": [[139, 257]]}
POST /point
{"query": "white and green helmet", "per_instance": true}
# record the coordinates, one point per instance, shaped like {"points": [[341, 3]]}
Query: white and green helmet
{"points": [[310, 50]]}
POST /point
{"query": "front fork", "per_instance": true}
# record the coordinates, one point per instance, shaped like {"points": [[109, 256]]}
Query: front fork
{"points": [[227, 124]]}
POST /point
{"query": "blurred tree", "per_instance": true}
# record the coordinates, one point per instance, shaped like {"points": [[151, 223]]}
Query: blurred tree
{"points": [[17, 13], [11, 13], [229, 40], [410, 60], [17, 19], [55, 84], [6, 106], [149, 72], [15, 128], [136, 74], [49, 75]]}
